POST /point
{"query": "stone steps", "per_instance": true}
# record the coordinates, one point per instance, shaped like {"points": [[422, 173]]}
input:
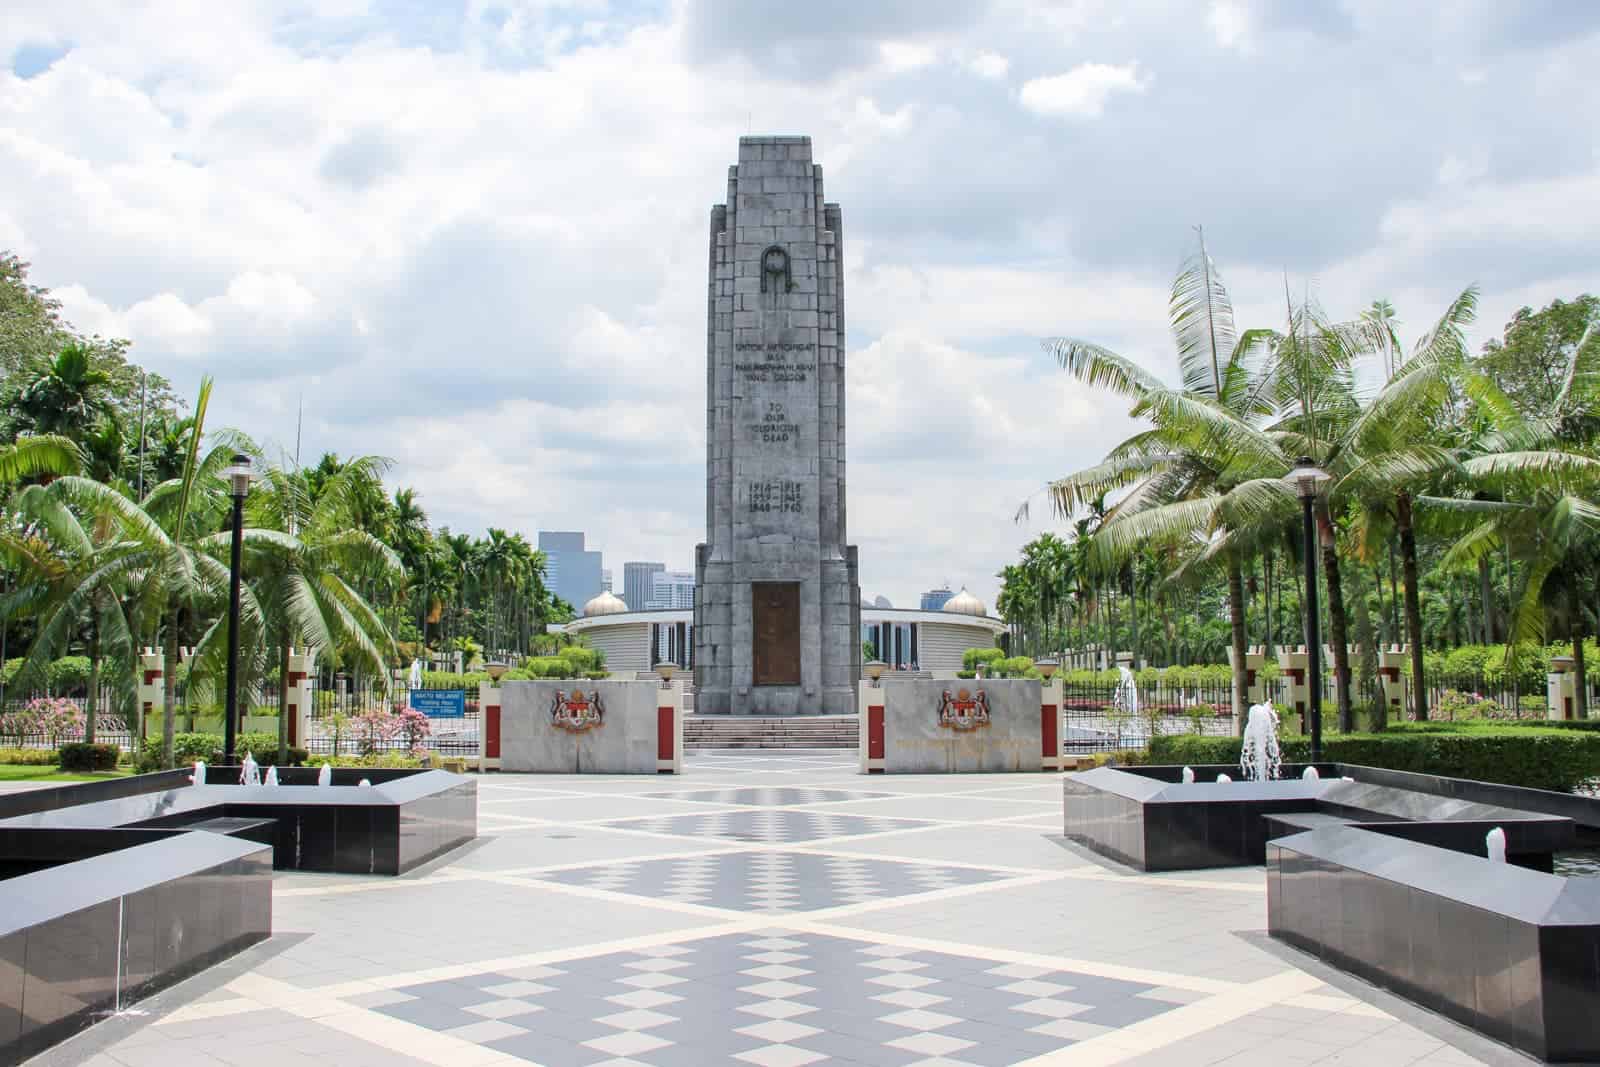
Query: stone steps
{"points": [[750, 731]]}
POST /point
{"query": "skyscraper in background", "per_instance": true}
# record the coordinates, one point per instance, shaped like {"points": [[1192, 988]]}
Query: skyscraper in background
{"points": [[605, 579], [637, 587], [934, 599], [671, 590], [571, 572]]}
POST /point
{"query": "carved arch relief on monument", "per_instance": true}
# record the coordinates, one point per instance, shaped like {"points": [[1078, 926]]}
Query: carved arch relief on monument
{"points": [[775, 264]]}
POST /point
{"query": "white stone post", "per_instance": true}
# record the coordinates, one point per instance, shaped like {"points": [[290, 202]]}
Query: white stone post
{"points": [[870, 715], [1561, 688], [488, 727], [1392, 677], [1052, 725], [302, 695], [669, 729], [1255, 684], [152, 690], [1293, 681]]}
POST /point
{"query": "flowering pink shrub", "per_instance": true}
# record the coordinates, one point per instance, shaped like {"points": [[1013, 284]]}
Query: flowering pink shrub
{"points": [[53, 718], [414, 727], [372, 727]]}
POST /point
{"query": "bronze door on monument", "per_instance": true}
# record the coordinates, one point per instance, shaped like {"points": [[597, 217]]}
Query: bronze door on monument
{"points": [[775, 633]]}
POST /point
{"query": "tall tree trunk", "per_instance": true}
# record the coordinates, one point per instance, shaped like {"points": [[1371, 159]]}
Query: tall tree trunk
{"points": [[1578, 667], [1394, 591], [1236, 625], [94, 681], [1413, 606], [283, 699], [1486, 600], [169, 697], [1133, 614], [1338, 626]]}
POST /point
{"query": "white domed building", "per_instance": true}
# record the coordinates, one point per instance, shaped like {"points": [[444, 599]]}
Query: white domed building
{"points": [[905, 638]]}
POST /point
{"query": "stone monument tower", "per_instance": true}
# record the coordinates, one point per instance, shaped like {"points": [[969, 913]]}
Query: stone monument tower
{"points": [[777, 608]]}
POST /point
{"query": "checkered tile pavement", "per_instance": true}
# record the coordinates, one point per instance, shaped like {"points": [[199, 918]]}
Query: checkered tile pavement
{"points": [[771, 881], [779, 1000], [779, 826], [770, 796]]}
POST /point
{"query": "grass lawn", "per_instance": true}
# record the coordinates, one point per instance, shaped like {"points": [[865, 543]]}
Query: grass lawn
{"points": [[15, 772]]}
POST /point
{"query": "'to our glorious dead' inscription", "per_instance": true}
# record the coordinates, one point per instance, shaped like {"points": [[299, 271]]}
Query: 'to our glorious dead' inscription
{"points": [[775, 361], [775, 428]]}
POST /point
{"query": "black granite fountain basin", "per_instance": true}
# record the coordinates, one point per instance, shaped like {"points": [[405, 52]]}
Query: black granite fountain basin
{"points": [[101, 917], [403, 819], [1514, 953], [1148, 818]]}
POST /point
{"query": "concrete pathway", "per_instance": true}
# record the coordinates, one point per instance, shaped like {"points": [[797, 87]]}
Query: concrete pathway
{"points": [[773, 909]]}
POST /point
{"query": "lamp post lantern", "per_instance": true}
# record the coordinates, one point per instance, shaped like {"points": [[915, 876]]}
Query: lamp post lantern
{"points": [[238, 474], [1308, 480]]}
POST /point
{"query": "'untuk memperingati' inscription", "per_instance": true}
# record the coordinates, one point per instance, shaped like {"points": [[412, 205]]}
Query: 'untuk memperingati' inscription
{"points": [[775, 361]]}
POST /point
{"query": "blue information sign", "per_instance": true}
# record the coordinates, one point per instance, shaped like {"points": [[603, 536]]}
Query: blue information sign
{"points": [[440, 703]]}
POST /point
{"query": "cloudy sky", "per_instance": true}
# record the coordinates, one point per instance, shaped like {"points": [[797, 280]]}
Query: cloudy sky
{"points": [[470, 234]]}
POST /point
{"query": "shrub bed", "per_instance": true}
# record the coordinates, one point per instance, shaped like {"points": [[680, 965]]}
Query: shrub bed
{"points": [[29, 757], [81, 757], [186, 748], [1560, 760]]}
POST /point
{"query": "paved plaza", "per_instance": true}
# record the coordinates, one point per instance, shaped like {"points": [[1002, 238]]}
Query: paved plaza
{"points": [[773, 909]]}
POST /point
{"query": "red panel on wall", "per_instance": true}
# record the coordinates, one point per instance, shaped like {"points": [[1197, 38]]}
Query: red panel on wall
{"points": [[1049, 738], [875, 732], [491, 731], [664, 732], [294, 724]]}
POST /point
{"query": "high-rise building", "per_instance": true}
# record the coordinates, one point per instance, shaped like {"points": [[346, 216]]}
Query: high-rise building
{"points": [[934, 599], [571, 572], [671, 590], [637, 590], [605, 579]]}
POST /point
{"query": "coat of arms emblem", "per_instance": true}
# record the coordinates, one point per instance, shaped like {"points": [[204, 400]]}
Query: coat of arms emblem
{"points": [[577, 712], [965, 710]]}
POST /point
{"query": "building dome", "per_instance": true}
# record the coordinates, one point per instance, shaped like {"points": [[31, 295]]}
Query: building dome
{"points": [[964, 603], [604, 604]]}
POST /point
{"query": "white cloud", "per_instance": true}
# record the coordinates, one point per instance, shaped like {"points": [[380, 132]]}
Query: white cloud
{"points": [[1230, 25], [901, 56], [477, 244], [989, 65], [1082, 92]]}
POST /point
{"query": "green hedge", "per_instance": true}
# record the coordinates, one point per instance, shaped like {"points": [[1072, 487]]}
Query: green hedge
{"points": [[1539, 759], [186, 748], [79, 756]]}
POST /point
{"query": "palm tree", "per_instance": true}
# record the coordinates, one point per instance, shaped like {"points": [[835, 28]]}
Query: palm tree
{"points": [[172, 578], [1184, 462], [1551, 527], [72, 574], [1402, 440], [299, 551], [66, 395]]}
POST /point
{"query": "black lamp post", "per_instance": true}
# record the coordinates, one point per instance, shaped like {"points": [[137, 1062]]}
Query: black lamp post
{"points": [[1308, 480], [238, 485]]}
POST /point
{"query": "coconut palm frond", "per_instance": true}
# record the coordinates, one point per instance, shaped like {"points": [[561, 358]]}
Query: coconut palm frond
{"points": [[1097, 366], [39, 455], [1201, 315]]}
